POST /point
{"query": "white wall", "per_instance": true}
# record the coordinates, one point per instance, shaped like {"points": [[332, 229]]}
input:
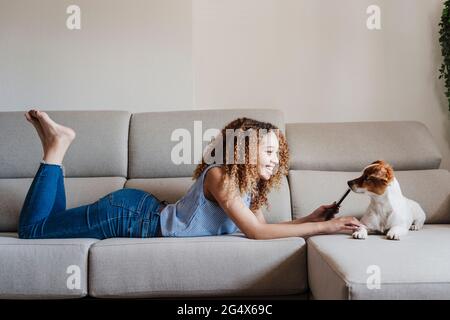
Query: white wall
{"points": [[133, 55], [314, 59]]}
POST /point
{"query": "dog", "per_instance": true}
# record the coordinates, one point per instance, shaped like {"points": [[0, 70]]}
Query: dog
{"points": [[389, 212]]}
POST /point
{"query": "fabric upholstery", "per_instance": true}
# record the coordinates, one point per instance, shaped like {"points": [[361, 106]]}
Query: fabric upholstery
{"points": [[349, 146], [416, 267], [151, 142], [99, 149], [43, 269], [116, 149], [203, 266], [79, 191], [310, 189]]}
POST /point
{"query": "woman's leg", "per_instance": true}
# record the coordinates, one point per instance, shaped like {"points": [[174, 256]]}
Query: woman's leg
{"points": [[125, 212], [46, 194], [128, 213], [43, 196], [87, 221], [60, 199]]}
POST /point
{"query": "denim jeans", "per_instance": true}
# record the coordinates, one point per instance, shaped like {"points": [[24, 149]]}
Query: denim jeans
{"points": [[126, 212]]}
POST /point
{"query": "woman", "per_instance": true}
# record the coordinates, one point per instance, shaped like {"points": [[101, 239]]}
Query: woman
{"points": [[225, 198]]}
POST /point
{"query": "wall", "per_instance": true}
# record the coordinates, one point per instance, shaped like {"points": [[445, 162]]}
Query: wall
{"points": [[134, 55], [314, 59]]}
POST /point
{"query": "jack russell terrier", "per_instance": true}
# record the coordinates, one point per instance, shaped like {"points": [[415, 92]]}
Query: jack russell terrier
{"points": [[389, 211]]}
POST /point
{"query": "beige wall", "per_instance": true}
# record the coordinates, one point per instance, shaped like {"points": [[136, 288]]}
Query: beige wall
{"points": [[134, 55], [314, 59]]}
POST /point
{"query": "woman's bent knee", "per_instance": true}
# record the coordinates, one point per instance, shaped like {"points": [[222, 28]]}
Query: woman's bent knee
{"points": [[24, 233]]}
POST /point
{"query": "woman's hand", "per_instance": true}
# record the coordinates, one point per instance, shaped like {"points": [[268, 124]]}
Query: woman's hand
{"points": [[323, 213], [341, 224]]}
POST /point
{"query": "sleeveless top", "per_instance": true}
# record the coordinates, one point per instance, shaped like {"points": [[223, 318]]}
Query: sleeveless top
{"points": [[195, 215]]}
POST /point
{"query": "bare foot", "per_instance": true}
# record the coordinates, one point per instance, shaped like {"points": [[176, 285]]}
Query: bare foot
{"points": [[35, 122], [55, 138]]}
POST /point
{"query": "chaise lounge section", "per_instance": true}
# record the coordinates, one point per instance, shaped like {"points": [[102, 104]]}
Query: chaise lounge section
{"points": [[326, 156]]}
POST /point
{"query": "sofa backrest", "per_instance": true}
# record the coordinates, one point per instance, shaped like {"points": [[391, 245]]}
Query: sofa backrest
{"points": [[151, 137], [349, 146], [99, 150], [326, 155]]}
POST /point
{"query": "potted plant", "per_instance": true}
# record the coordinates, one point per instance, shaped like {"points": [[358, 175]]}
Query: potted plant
{"points": [[444, 40]]}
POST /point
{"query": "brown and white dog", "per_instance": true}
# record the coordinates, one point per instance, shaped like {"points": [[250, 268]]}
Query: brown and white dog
{"points": [[389, 211]]}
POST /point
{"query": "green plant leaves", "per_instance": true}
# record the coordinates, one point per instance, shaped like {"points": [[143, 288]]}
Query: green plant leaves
{"points": [[444, 40]]}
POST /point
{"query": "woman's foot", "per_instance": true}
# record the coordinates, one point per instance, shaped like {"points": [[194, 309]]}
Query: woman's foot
{"points": [[55, 138], [36, 124]]}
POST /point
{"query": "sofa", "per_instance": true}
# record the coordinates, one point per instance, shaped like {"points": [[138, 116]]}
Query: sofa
{"points": [[119, 149]]}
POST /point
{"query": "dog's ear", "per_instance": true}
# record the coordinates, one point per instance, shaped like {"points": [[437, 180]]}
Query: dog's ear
{"points": [[389, 173], [384, 172]]}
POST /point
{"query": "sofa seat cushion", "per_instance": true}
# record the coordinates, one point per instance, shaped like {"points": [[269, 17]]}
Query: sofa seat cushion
{"points": [[416, 267], [43, 268], [228, 265]]}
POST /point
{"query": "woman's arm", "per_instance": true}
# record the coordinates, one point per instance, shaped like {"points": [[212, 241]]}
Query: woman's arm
{"points": [[318, 215], [315, 216], [260, 216], [254, 228], [296, 221], [249, 224]]}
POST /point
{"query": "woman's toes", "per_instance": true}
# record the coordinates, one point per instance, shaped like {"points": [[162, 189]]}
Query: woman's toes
{"points": [[36, 125], [44, 116], [34, 121], [46, 122], [32, 113], [28, 117]]}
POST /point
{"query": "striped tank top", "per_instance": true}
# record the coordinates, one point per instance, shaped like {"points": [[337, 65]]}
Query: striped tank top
{"points": [[195, 215]]}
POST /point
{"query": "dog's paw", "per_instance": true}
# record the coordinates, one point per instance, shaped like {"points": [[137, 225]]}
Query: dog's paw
{"points": [[414, 227], [360, 234], [393, 235]]}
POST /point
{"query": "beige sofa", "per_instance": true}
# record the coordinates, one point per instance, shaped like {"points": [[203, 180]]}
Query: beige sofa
{"points": [[116, 149]]}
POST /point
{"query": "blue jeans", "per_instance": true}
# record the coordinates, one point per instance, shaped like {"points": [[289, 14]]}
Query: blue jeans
{"points": [[126, 212]]}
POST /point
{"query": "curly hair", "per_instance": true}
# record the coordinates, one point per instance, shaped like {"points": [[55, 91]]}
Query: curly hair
{"points": [[244, 176]]}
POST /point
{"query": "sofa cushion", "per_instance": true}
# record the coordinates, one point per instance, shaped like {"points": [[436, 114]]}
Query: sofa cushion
{"points": [[100, 148], [79, 191], [172, 189], [350, 146], [310, 189], [43, 268], [416, 267], [202, 266], [151, 143]]}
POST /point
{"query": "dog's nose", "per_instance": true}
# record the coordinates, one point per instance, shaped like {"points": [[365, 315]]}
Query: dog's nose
{"points": [[350, 183]]}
